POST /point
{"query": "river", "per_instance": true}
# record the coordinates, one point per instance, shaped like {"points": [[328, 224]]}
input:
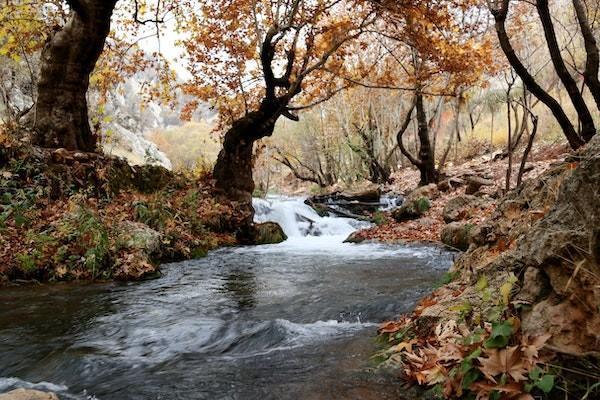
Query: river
{"points": [[295, 320]]}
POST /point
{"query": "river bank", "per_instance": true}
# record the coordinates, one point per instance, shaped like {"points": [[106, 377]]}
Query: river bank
{"points": [[82, 216], [285, 321]]}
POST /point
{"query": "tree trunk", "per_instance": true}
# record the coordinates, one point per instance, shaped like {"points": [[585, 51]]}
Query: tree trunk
{"points": [[592, 64], [575, 141], [427, 163], [587, 123], [68, 59], [233, 169]]}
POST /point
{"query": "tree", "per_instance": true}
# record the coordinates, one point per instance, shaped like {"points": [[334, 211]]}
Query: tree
{"points": [[61, 43], [252, 58], [438, 50], [500, 10], [590, 74], [68, 59]]}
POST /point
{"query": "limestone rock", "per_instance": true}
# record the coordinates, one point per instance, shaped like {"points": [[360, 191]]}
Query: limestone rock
{"points": [[430, 192], [458, 207], [412, 209], [354, 238], [28, 394], [474, 183], [457, 235], [269, 233], [136, 235]]}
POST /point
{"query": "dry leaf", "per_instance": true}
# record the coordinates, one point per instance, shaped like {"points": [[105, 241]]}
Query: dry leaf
{"points": [[506, 361]]}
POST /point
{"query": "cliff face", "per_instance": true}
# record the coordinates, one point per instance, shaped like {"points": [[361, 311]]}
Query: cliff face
{"points": [[546, 237]]}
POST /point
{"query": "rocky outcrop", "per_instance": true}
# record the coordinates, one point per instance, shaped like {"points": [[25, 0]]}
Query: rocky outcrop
{"points": [[28, 394], [268, 233], [543, 242]]}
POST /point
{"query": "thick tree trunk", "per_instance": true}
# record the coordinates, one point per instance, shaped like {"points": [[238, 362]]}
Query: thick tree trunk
{"points": [[233, 169], [587, 123], [575, 141], [429, 173], [68, 59], [592, 64]]}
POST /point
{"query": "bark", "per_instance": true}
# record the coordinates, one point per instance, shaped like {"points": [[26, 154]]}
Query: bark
{"points": [[592, 64], [534, 120], [425, 161], [587, 123], [575, 141], [68, 59]]}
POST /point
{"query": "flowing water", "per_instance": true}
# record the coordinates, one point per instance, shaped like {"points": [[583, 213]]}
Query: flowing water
{"points": [[289, 321]]}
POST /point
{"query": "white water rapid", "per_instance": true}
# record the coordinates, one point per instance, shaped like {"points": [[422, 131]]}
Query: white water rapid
{"points": [[302, 224]]}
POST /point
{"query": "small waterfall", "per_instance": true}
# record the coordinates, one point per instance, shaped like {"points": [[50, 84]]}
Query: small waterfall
{"points": [[390, 201], [299, 220]]}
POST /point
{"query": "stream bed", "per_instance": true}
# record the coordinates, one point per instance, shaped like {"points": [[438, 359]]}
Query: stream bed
{"points": [[295, 320]]}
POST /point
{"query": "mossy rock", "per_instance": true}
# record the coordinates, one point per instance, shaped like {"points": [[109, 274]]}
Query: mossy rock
{"points": [[268, 233], [458, 235], [412, 209]]}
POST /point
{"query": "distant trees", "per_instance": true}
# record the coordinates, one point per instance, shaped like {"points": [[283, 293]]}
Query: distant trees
{"points": [[500, 10]]}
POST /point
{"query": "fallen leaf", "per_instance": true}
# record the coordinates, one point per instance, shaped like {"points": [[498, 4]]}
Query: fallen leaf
{"points": [[506, 361]]}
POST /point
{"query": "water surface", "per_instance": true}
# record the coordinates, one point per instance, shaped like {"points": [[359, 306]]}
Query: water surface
{"points": [[289, 321]]}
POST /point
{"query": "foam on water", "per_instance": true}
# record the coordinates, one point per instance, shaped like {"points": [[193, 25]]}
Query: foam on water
{"points": [[305, 228]]}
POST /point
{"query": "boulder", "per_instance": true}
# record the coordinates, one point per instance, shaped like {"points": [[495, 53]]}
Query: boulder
{"points": [[28, 394], [141, 245], [450, 184], [412, 209], [355, 237], [474, 183], [138, 236], [269, 233], [458, 207], [430, 192], [457, 235]]}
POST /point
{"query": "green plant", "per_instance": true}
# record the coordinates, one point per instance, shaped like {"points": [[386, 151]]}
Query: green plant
{"points": [[422, 204], [155, 213], [379, 218]]}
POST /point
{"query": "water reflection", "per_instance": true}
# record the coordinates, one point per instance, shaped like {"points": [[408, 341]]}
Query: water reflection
{"points": [[241, 286]]}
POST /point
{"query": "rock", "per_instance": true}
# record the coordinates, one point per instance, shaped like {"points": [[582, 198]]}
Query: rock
{"points": [[141, 245], [62, 156], [28, 394], [450, 184], [269, 233], [545, 233], [458, 207], [474, 183], [412, 209], [347, 204], [354, 237], [457, 235], [370, 195], [430, 192], [138, 236]]}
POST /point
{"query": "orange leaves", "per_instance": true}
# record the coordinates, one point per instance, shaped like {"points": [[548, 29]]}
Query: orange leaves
{"points": [[457, 359]]}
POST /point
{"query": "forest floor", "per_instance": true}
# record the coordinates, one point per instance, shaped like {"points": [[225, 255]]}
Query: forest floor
{"points": [[428, 227]]}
